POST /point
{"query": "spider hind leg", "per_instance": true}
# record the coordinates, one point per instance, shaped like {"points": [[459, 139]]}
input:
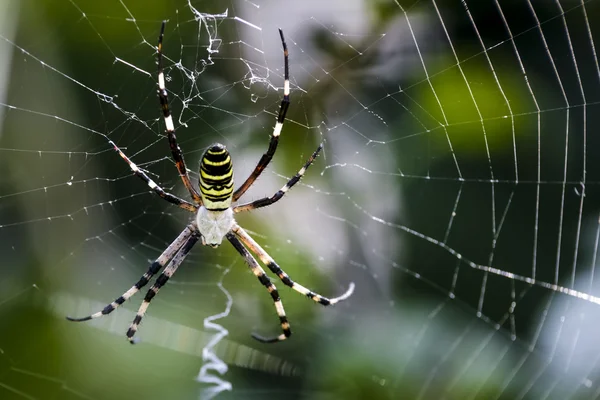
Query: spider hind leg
{"points": [[283, 108], [176, 152]]}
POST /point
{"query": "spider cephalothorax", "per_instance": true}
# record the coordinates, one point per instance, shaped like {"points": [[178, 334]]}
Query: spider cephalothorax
{"points": [[214, 213]]}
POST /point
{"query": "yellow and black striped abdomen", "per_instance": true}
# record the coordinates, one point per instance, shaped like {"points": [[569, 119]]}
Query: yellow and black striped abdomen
{"points": [[216, 178]]}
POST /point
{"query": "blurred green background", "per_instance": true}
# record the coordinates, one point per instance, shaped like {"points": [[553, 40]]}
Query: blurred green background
{"points": [[458, 188]]}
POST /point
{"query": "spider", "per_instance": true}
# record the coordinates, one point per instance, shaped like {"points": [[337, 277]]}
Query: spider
{"points": [[214, 213]]}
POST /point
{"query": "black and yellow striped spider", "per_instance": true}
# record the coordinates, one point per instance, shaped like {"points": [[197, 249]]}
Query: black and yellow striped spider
{"points": [[214, 213]]}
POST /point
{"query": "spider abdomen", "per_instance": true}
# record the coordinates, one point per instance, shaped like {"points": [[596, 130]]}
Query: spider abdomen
{"points": [[214, 225], [216, 178]]}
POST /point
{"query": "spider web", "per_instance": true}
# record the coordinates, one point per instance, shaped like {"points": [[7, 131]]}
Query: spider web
{"points": [[458, 188]]}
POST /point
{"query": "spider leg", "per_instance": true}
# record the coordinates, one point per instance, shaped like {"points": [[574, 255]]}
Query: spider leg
{"points": [[285, 103], [267, 201], [160, 262], [266, 282], [160, 282], [272, 265], [170, 127], [171, 198]]}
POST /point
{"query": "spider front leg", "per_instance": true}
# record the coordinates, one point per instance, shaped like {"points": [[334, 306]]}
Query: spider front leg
{"points": [[160, 282], [160, 262], [272, 265], [266, 282], [285, 103]]}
